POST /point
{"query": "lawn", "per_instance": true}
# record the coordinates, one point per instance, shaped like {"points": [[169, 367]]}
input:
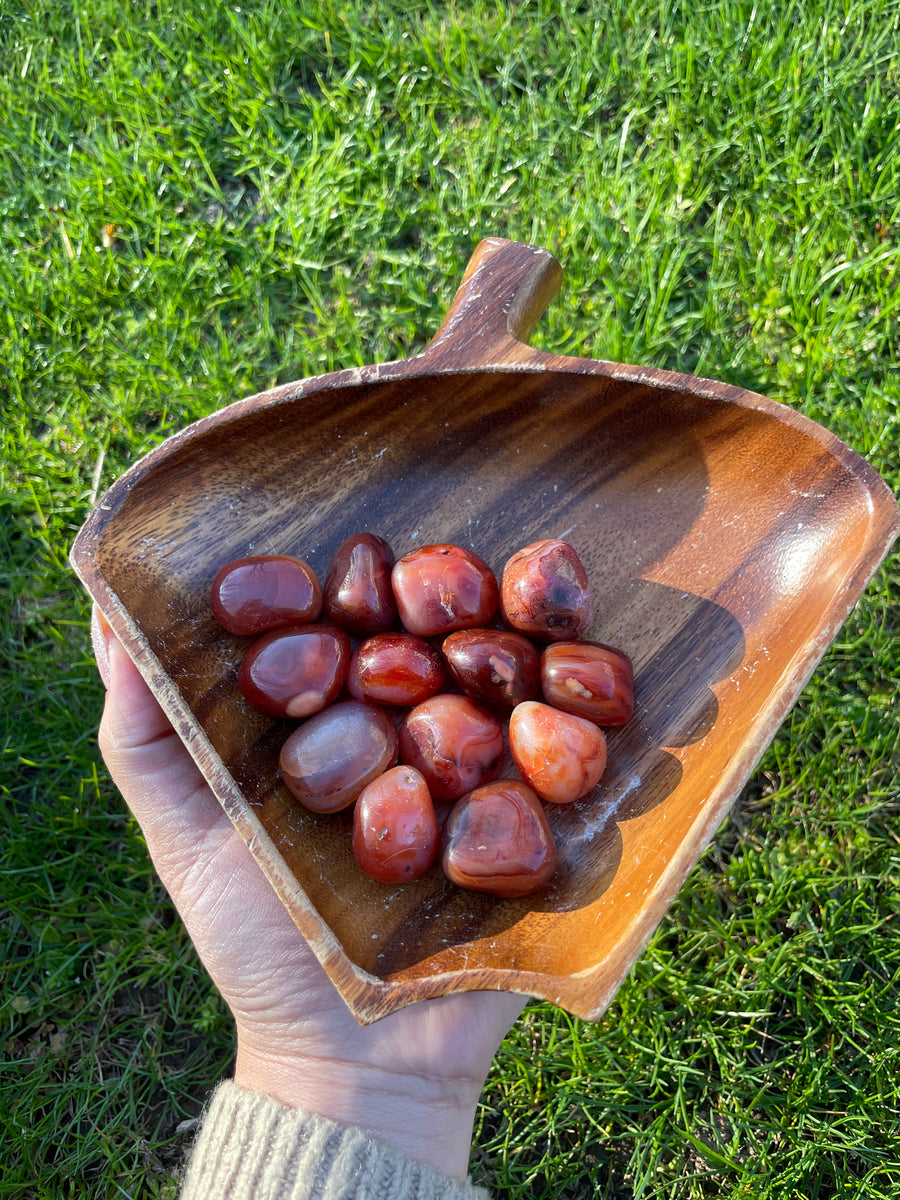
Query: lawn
{"points": [[199, 201]]}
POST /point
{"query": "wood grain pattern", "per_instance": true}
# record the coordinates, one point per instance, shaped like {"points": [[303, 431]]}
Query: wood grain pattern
{"points": [[726, 539]]}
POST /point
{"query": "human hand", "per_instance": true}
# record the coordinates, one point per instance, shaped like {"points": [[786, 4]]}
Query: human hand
{"points": [[413, 1078]]}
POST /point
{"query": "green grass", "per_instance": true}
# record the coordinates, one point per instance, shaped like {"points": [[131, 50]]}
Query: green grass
{"points": [[198, 201]]}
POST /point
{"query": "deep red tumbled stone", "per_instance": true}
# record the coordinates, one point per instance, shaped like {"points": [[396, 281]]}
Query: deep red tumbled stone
{"points": [[251, 595], [589, 680], [357, 592], [395, 668], [296, 671], [455, 743], [494, 666]]}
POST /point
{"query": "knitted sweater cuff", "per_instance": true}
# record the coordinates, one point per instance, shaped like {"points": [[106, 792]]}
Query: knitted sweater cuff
{"points": [[250, 1147]]}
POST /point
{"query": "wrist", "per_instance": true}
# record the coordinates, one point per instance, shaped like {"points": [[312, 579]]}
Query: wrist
{"points": [[429, 1119]]}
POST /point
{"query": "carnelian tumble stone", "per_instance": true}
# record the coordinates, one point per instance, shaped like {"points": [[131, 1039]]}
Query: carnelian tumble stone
{"points": [[560, 755], [395, 830], [590, 680], [251, 595], [328, 761], [441, 587], [544, 592], [395, 668], [455, 743], [357, 593], [295, 671], [495, 666], [497, 840]]}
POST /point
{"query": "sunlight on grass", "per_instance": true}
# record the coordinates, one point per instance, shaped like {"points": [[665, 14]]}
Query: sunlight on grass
{"points": [[202, 201]]}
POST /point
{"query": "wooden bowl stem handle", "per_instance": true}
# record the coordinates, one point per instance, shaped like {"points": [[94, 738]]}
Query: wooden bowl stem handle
{"points": [[504, 292]]}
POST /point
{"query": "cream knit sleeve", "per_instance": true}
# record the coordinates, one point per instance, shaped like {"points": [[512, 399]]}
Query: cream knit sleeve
{"points": [[250, 1147]]}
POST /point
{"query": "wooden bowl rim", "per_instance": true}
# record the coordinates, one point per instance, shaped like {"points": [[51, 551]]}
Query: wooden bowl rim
{"points": [[535, 276]]}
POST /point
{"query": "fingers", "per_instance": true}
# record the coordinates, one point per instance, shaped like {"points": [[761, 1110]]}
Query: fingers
{"points": [[158, 779], [201, 859]]}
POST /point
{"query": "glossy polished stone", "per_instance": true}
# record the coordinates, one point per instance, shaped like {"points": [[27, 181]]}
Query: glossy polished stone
{"points": [[497, 840], [328, 761]]}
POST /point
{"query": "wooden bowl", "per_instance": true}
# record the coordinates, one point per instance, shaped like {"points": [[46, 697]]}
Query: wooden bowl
{"points": [[725, 536]]}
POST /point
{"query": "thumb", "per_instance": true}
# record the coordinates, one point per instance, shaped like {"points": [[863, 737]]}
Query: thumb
{"points": [[149, 764]]}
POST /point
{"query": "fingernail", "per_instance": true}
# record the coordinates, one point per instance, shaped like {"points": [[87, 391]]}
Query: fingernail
{"points": [[100, 637]]}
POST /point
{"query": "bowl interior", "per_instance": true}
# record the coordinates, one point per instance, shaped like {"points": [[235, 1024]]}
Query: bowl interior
{"points": [[718, 539]]}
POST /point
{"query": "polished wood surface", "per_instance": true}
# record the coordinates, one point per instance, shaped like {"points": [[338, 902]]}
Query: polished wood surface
{"points": [[726, 539]]}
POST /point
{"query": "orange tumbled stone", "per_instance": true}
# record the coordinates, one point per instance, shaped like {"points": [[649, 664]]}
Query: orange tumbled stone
{"points": [[560, 755]]}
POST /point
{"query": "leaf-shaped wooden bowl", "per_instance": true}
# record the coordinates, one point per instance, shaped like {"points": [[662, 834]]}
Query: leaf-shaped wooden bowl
{"points": [[725, 536]]}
